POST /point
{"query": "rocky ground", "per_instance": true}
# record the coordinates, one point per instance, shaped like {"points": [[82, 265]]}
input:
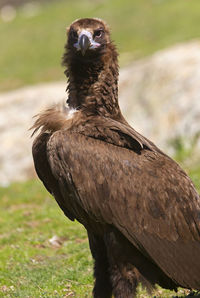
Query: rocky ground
{"points": [[159, 95]]}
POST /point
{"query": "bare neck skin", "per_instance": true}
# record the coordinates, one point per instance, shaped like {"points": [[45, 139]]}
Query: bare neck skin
{"points": [[93, 83]]}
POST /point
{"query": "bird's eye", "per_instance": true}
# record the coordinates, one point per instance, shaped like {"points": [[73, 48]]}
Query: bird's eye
{"points": [[98, 33], [73, 34]]}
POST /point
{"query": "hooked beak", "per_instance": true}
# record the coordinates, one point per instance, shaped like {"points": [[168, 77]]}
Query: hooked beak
{"points": [[84, 44]]}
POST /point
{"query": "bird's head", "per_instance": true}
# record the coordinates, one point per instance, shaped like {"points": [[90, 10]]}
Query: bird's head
{"points": [[87, 37]]}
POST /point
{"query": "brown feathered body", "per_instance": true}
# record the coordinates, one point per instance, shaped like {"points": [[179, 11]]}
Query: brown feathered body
{"points": [[140, 209]]}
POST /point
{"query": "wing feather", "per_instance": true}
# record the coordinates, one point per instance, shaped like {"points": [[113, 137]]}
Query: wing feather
{"points": [[43, 169], [147, 196]]}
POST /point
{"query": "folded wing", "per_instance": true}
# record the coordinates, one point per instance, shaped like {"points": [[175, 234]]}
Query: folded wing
{"points": [[145, 194]]}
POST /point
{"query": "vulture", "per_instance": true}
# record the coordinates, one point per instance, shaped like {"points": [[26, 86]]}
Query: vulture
{"points": [[140, 209]]}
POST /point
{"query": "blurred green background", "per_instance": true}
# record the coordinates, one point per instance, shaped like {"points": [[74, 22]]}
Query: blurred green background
{"points": [[32, 38], [31, 44]]}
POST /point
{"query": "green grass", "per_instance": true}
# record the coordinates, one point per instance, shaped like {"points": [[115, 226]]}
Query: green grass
{"points": [[31, 48], [30, 265]]}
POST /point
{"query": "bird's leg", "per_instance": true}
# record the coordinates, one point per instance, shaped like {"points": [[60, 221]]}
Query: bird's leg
{"points": [[124, 280], [125, 277], [102, 287]]}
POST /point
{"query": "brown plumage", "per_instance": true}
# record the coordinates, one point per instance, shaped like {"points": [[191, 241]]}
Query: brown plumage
{"points": [[140, 209]]}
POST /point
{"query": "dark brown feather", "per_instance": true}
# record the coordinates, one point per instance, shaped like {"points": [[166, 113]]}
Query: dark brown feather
{"points": [[146, 196], [140, 209]]}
